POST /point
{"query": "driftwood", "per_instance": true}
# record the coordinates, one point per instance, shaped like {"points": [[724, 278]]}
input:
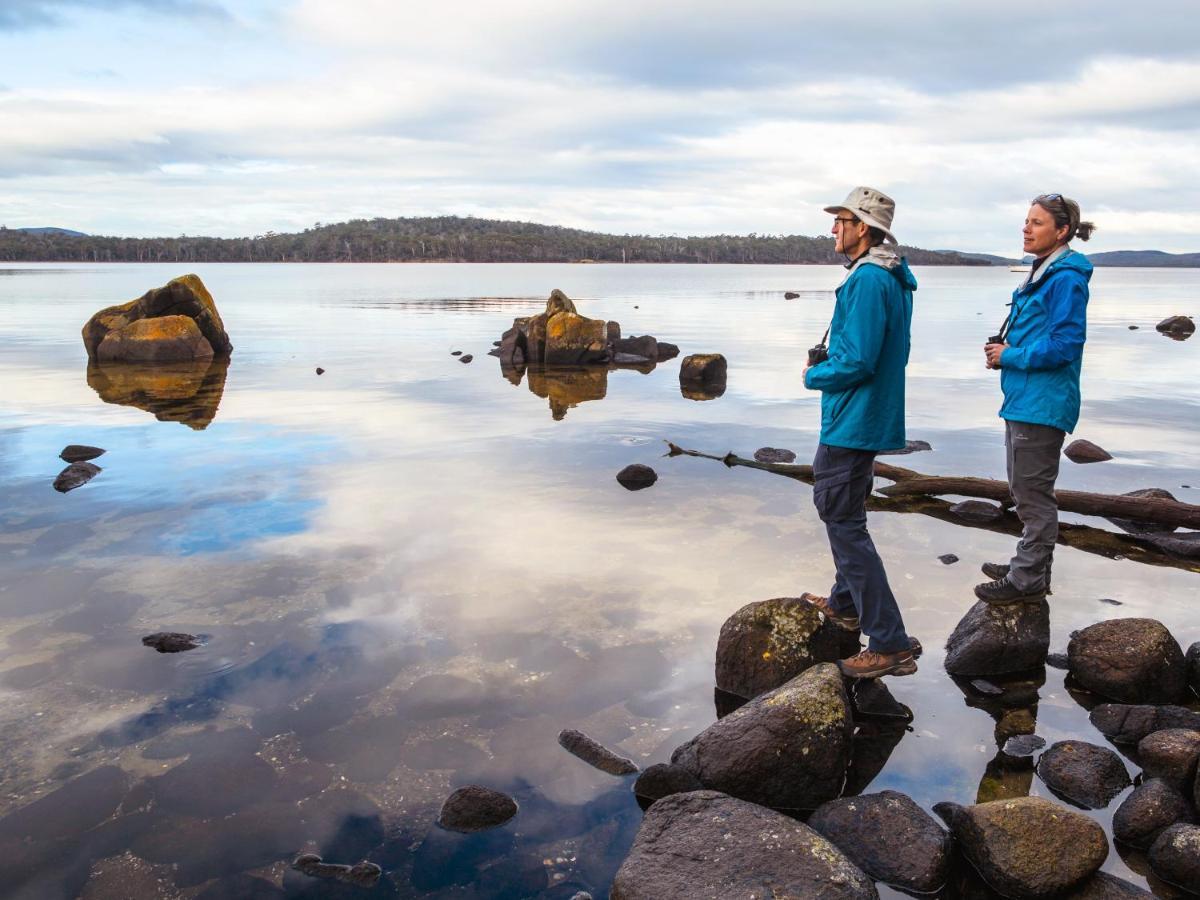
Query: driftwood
{"points": [[913, 492]]}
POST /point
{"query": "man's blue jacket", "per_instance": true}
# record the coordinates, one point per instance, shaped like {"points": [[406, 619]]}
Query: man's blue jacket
{"points": [[1039, 371], [862, 382]]}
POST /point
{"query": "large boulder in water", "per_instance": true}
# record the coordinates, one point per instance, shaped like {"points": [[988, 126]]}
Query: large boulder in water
{"points": [[706, 844], [558, 336], [995, 640], [121, 333], [1085, 774], [1128, 723], [1129, 660], [786, 749], [769, 642], [1027, 847], [889, 837]]}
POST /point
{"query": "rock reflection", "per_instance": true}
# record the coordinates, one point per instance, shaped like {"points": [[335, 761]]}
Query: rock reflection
{"points": [[567, 388], [1014, 709], [188, 393]]}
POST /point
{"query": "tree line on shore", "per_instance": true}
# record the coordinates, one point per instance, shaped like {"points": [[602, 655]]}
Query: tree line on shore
{"points": [[439, 239]]}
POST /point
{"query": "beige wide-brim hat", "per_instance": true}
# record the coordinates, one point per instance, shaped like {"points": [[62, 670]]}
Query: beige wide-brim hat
{"points": [[873, 207]]}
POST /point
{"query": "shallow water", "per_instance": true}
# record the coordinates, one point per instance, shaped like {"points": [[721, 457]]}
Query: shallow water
{"points": [[412, 573]]}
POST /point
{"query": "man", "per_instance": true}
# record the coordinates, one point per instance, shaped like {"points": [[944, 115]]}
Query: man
{"points": [[862, 412]]}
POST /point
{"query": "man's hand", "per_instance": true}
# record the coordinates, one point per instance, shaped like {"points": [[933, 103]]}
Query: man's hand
{"points": [[992, 352]]}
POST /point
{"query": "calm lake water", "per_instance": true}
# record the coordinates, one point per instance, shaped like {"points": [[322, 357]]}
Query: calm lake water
{"points": [[412, 573]]}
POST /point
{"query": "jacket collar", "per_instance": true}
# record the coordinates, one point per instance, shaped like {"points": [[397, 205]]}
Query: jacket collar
{"points": [[1038, 273], [879, 255]]}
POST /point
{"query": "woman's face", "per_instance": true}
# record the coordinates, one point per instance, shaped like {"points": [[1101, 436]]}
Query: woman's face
{"points": [[1041, 234]]}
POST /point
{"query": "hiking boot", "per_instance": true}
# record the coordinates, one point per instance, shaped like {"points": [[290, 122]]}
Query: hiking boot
{"points": [[999, 571], [1002, 591], [871, 664], [848, 622]]}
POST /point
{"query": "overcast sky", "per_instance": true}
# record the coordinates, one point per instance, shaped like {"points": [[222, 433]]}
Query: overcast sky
{"points": [[161, 117]]}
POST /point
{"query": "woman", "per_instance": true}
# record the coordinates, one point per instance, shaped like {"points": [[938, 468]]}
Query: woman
{"points": [[1039, 352]]}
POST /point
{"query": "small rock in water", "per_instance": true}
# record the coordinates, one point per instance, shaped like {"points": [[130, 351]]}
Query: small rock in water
{"points": [[476, 808], [1023, 746], [1057, 660], [774, 455], [790, 295], [75, 475], [466, 358], [948, 559], [909, 447], [1084, 773], [74, 453], [456, 353], [636, 476], [1082, 451], [1111, 602], [1133, 327], [987, 688], [1176, 325], [364, 874], [580, 745], [171, 641], [978, 511], [662, 780], [1175, 856], [320, 371], [1171, 754]]}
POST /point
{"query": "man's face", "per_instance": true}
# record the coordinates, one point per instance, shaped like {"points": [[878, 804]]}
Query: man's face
{"points": [[848, 232], [1040, 233]]}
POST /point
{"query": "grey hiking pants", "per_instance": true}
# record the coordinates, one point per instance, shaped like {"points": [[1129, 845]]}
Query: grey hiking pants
{"points": [[1032, 453]]}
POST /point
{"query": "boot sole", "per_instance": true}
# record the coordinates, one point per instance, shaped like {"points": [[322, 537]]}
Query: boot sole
{"points": [[1036, 597], [907, 668]]}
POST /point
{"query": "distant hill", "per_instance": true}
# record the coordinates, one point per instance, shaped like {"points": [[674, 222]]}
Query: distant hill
{"points": [[990, 258], [440, 239], [1146, 258], [50, 230]]}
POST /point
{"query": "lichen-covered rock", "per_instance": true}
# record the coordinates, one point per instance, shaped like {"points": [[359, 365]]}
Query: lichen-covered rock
{"points": [[1129, 660], [889, 837], [558, 336], [1083, 773], [185, 297], [664, 779], [1175, 856], [1128, 723], [769, 642], [1172, 755], [1151, 807], [165, 339], [476, 808], [1028, 848], [707, 845], [583, 747], [786, 749], [1081, 451], [995, 640]]}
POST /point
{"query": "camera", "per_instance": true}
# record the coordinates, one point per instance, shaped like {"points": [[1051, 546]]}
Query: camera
{"points": [[817, 354]]}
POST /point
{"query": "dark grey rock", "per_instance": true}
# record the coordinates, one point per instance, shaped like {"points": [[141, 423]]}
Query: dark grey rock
{"points": [[636, 476], [1103, 886], [75, 475], [1027, 847], [172, 641], [465, 358], [1182, 544], [1081, 451], [1172, 755], [1193, 658], [1175, 856], [705, 844], [1134, 327], [872, 699], [664, 779], [630, 359], [790, 295], [1018, 751], [476, 808], [1176, 325], [364, 874], [889, 837], [909, 447], [1129, 660], [703, 368], [1133, 526], [997, 640], [947, 559], [1125, 723], [1058, 661], [74, 453], [645, 346], [786, 749], [1110, 601], [978, 511], [1083, 773], [579, 744], [1150, 808], [667, 351], [320, 371], [456, 353], [769, 642], [774, 455]]}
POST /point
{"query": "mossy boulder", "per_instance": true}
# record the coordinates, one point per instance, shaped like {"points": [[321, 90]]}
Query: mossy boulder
{"points": [[769, 642], [996, 640], [1129, 660], [707, 844], [786, 749], [113, 334], [1028, 848]]}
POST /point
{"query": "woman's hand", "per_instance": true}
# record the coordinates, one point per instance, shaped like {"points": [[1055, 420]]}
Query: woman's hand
{"points": [[992, 352]]}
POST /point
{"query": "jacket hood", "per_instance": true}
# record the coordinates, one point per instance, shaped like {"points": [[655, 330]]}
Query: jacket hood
{"points": [[886, 258], [1072, 259]]}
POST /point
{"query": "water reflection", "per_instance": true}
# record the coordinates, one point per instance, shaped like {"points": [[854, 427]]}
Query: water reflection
{"points": [[568, 386], [188, 392]]}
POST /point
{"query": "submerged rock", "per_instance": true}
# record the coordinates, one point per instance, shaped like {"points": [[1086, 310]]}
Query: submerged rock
{"points": [[1018, 750], [171, 641], [74, 453], [664, 779], [635, 477], [1027, 847], [174, 323], [786, 749], [1058, 661], [947, 559], [1129, 660], [1134, 526], [1151, 808], [1175, 856], [1178, 325], [769, 642], [706, 844], [1085, 774], [909, 447], [76, 475], [476, 808], [995, 640], [889, 837], [645, 346], [774, 455], [1124, 723], [1081, 451], [580, 745], [1171, 754], [364, 874], [1103, 886], [978, 511]]}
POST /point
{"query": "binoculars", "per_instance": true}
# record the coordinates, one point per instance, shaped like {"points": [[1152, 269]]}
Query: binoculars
{"points": [[817, 354]]}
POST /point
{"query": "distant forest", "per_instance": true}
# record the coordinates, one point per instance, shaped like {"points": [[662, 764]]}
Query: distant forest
{"points": [[437, 239]]}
